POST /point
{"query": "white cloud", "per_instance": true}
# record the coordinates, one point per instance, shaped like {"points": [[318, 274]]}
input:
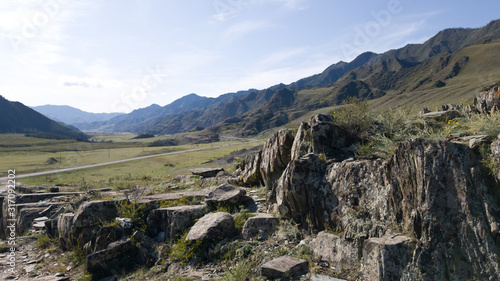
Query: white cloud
{"points": [[245, 27], [86, 82]]}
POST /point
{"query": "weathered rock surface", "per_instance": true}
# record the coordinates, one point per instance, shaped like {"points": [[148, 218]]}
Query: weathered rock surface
{"points": [[250, 174], [117, 259], [225, 194], [103, 237], [339, 252], [64, 228], [275, 156], [435, 190], [206, 172], [174, 220], [260, 225], [304, 194], [212, 226], [284, 267], [320, 135], [387, 258], [94, 212], [488, 101]]}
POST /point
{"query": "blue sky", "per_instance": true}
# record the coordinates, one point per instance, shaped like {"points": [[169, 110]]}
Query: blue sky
{"points": [[120, 55]]}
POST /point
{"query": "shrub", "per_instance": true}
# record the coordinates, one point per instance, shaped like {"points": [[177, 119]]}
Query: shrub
{"points": [[354, 117]]}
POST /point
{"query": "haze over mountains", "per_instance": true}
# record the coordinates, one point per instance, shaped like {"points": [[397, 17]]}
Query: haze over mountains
{"points": [[71, 115], [449, 67]]}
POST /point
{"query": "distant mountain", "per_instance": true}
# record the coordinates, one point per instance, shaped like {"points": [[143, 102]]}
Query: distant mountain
{"points": [[446, 68], [71, 115], [18, 118]]}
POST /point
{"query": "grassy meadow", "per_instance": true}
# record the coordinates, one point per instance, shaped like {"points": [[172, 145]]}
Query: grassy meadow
{"points": [[29, 155]]}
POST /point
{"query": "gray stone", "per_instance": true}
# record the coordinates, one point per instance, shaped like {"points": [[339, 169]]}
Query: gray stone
{"points": [[124, 222], [285, 267], [92, 213], [336, 250], [226, 194], [275, 156], [442, 115], [118, 258], [64, 228], [212, 226], [250, 174], [206, 172], [173, 220], [386, 258], [263, 225]]}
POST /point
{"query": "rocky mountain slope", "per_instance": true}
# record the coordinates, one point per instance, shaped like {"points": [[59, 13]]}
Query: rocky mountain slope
{"points": [[446, 68], [18, 118]]}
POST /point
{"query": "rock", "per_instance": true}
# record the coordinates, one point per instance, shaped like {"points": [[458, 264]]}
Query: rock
{"points": [[275, 156], [124, 222], [145, 241], [442, 115], [304, 194], [486, 101], [284, 267], [89, 216], [225, 194], [250, 174], [174, 220], [212, 226], [64, 228], [206, 172], [476, 141], [320, 135], [117, 259], [263, 225], [105, 236], [51, 228], [386, 258], [319, 277], [91, 213], [54, 189], [336, 250]]}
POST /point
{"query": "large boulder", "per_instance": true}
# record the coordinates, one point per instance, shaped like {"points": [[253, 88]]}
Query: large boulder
{"points": [[387, 258], [117, 259], [339, 252], [304, 194], [89, 216], [212, 226], [284, 267], [488, 101], [225, 194], [263, 225], [174, 220]]}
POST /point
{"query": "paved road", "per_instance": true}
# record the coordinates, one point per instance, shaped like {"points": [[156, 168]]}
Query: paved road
{"points": [[4, 179]]}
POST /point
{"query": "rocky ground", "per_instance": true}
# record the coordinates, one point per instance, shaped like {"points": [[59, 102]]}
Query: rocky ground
{"points": [[306, 206]]}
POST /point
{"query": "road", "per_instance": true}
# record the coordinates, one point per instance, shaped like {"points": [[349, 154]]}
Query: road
{"points": [[4, 179]]}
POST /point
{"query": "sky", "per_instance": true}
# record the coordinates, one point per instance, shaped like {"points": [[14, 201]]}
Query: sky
{"points": [[121, 55]]}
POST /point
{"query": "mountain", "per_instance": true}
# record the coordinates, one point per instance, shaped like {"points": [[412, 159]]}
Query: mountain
{"points": [[71, 115], [449, 67], [18, 118]]}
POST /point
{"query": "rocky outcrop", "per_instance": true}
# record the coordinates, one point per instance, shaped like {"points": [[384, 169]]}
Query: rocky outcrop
{"points": [[275, 156], [304, 194], [488, 101], [89, 216], [212, 226], [250, 174], [321, 136], [284, 267], [226, 194], [64, 228]]}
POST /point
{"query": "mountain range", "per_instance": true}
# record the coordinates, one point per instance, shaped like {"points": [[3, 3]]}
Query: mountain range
{"points": [[447, 68], [71, 115], [18, 118]]}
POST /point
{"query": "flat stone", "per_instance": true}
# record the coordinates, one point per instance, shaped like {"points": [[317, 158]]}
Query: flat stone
{"points": [[212, 226], [226, 194], [285, 266], [206, 172], [261, 224], [334, 249]]}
